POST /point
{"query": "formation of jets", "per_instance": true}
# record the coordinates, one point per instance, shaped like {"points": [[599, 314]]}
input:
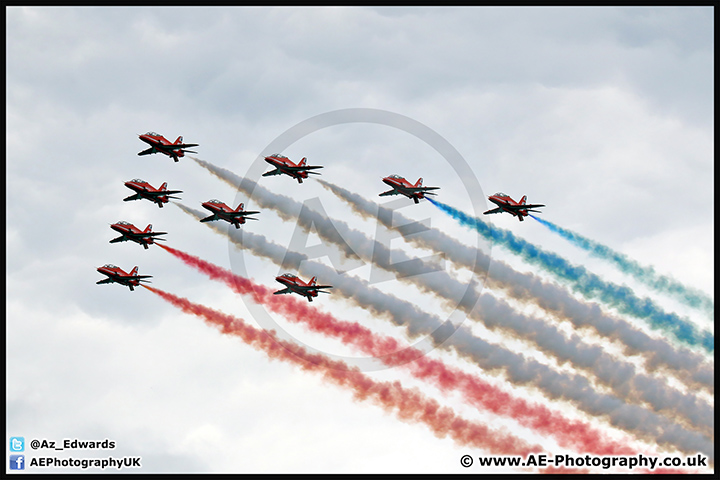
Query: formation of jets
{"points": [[506, 204], [293, 284], [220, 211]]}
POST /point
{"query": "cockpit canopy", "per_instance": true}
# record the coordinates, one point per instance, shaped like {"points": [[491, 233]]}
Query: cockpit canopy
{"points": [[289, 275], [138, 180], [109, 265], [123, 222], [277, 155], [217, 202], [397, 177], [153, 134], [500, 194]]}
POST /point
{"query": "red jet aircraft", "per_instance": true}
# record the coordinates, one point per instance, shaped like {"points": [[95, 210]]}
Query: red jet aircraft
{"points": [[118, 275], [284, 165], [294, 285], [158, 143], [130, 232], [507, 204], [400, 186], [223, 212], [145, 190]]}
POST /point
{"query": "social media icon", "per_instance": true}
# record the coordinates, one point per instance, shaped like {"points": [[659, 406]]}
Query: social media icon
{"points": [[17, 444], [17, 462]]}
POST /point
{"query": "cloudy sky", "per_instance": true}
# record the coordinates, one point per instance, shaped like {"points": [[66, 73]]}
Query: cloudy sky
{"points": [[605, 115]]}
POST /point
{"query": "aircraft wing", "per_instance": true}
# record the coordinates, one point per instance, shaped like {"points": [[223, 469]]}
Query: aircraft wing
{"points": [[284, 290], [241, 214], [311, 287], [272, 172], [494, 210], [161, 193], [107, 280], [522, 207], [137, 236], [410, 191], [300, 169], [420, 189], [209, 219], [148, 151]]}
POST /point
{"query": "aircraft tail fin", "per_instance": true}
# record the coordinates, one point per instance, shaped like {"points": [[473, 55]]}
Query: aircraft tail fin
{"points": [[313, 281], [419, 182], [163, 187], [303, 162], [523, 199], [240, 207], [148, 229], [179, 140], [134, 271]]}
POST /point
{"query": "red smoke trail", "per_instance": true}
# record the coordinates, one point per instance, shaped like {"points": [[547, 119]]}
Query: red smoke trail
{"points": [[575, 435], [410, 405]]}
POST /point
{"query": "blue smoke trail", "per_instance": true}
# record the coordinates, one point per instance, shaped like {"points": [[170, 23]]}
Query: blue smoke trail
{"points": [[587, 283], [647, 275]]}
